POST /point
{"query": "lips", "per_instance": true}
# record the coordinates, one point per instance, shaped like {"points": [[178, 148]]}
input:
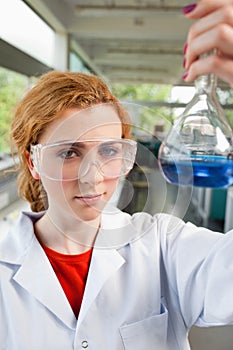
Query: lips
{"points": [[89, 198], [94, 195]]}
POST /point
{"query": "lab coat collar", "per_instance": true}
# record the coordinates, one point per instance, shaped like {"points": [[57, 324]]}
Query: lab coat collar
{"points": [[16, 244], [21, 247], [117, 230]]}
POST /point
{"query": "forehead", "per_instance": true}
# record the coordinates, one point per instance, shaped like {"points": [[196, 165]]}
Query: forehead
{"points": [[74, 124]]}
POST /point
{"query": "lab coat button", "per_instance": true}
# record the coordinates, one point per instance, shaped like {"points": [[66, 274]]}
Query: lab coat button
{"points": [[84, 344]]}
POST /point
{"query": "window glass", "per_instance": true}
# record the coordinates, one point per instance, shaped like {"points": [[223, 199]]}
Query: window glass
{"points": [[22, 28], [76, 64]]}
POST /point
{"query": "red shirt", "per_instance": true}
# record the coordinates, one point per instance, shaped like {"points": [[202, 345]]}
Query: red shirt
{"points": [[71, 271]]}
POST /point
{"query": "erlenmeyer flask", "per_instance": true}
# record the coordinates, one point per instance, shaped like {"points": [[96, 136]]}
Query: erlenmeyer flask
{"points": [[198, 149]]}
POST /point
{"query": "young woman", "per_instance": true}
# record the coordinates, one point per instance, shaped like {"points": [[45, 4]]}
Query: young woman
{"points": [[76, 274]]}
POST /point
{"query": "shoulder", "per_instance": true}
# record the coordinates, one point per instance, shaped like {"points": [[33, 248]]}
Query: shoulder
{"points": [[15, 243], [166, 226], [117, 219], [125, 228], [142, 221]]}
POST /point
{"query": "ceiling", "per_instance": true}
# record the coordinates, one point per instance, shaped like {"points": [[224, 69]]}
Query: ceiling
{"points": [[129, 41]]}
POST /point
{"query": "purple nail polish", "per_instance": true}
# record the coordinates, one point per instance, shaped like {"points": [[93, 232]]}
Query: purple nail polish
{"points": [[185, 48], [184, 62], [184, 76], [188, 9]]}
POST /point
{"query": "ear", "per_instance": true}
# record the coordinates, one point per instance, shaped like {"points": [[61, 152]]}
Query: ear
{"points": [[31, 167]]}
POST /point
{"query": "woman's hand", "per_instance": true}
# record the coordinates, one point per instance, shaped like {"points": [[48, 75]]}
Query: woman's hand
{"points": [[213, 30]]}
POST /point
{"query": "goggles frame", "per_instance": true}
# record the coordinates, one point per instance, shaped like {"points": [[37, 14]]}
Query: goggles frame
{"points": [[36, 149]]}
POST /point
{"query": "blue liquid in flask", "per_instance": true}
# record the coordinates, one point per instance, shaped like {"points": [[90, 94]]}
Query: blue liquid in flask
{"points": [[200, 171]]}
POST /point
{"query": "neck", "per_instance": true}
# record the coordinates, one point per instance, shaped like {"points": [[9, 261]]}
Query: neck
{"points": [[71, 236]]}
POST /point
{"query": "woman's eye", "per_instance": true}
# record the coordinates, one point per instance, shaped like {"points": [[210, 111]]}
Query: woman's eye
{"points": [[109, 151], [68, 154]]}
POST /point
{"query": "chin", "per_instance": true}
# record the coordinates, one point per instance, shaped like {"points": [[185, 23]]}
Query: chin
{"points": [[87, 213], [89, 216]]}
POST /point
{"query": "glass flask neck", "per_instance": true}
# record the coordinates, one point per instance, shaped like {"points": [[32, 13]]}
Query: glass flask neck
{"points": [[206, 84]]}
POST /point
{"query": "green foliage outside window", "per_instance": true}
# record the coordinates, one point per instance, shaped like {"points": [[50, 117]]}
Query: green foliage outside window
{"points": [[12, 88], [226, 98], [150, 116]]}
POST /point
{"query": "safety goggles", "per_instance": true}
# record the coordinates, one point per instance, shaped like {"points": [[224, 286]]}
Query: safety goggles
{"points": [[70, 160]]}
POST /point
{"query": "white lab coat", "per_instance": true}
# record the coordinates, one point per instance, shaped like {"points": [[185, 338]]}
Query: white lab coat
{"points": [[150, 280]]}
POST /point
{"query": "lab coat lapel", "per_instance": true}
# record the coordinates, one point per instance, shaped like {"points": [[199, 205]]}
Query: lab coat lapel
{"points": [[104, 264], [116, 231], [36, 275]]}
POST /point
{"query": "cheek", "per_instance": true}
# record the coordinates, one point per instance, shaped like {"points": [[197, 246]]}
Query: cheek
{"points": [[111, 185], [55, 189]]}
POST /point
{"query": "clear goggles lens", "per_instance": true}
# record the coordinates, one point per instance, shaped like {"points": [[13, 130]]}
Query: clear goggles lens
{"points": [[72, 160]]}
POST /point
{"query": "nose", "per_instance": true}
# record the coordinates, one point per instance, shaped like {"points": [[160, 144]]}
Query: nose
{"points": [[90, 173]]}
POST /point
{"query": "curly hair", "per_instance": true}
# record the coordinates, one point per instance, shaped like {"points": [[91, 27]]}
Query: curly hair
{"points": [[54, 92]]}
